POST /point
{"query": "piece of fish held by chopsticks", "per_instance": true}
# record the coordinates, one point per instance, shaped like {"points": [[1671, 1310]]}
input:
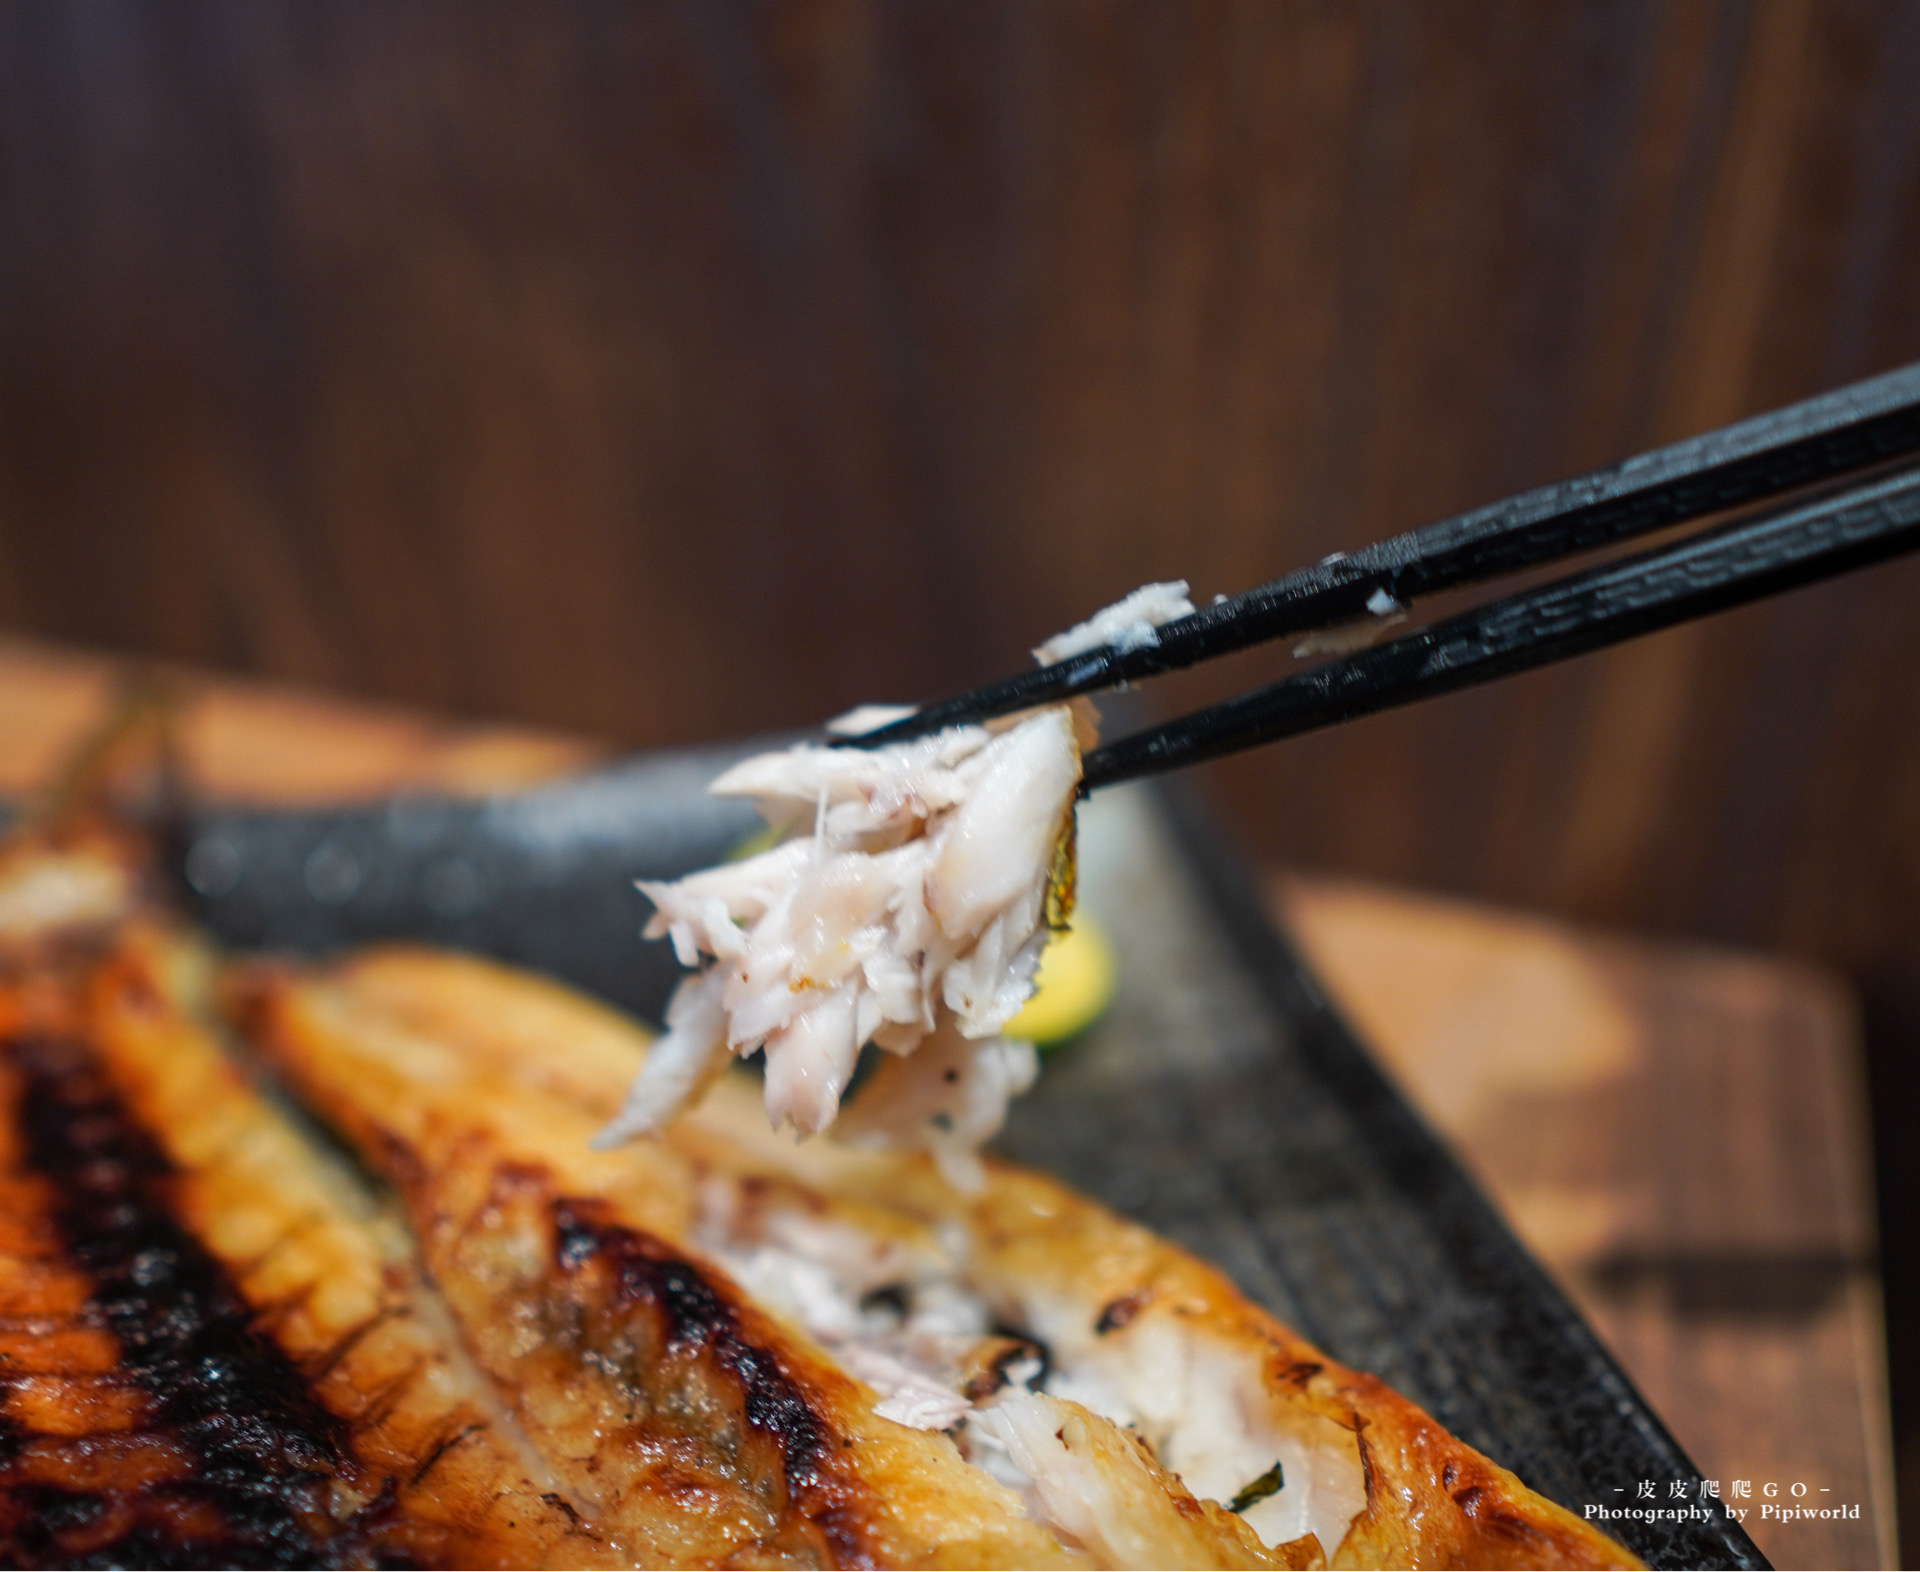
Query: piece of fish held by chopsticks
{"points": [[213, 1349], [914, 912], [778, 1320]]}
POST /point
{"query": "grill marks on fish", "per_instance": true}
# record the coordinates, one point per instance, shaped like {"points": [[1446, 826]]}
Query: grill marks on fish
{"points": [[77, 1458], [337, 1285], [660, 1400], [214, 1347], [215, 1350], [224, 1455], [697, 1320]]}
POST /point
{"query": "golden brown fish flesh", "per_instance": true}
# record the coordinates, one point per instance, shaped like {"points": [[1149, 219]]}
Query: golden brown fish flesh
{"points": [[899, 1371]]}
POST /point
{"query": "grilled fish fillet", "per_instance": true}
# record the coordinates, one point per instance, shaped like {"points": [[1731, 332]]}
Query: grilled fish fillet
{"points": [[697, 1428], [724, 1343]]}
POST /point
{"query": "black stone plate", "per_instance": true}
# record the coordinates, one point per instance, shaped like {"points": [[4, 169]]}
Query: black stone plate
{"points": [[1221, 1101]]}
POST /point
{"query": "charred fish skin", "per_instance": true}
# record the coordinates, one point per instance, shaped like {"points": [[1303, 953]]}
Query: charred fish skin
{"points": [[82, 1473], [336, 1285], [225, 1457], [208, 1359], [701, 1446]]}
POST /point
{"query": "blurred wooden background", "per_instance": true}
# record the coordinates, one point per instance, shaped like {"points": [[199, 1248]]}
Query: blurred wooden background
{"points": [[678, 370]]}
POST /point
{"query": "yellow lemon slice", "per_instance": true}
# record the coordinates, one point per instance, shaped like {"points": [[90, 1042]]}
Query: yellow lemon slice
{"points": [[1071, 989]]}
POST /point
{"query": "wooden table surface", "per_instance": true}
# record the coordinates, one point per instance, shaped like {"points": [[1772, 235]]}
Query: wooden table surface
{"points": [[1678, 1133]]}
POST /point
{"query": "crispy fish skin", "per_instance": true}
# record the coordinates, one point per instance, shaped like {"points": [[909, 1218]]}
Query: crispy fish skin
{"points": [[1118, 1301], [212, 1352], [146, 1422], [334, 1288], [475, 1087], [699, 1430], [84, 1465]]}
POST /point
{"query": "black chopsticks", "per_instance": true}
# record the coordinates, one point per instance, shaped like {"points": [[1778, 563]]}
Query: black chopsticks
{"points": [[1709, 572], [1848, 525]]}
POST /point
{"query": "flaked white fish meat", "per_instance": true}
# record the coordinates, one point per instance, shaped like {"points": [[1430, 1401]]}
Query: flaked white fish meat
{"points": [[1131, 623], [913, 914]]}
